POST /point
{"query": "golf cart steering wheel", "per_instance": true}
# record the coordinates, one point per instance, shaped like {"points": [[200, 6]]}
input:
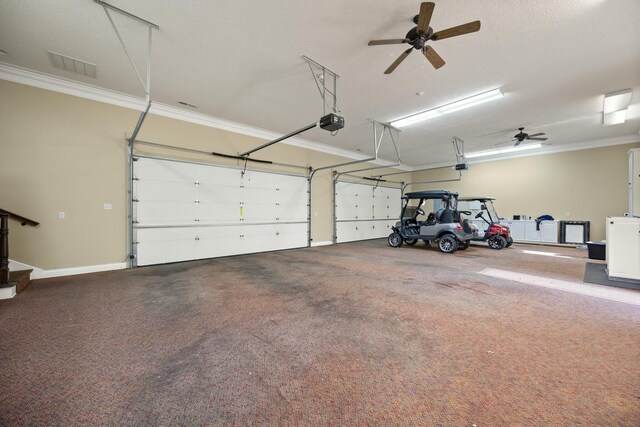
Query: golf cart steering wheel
{"points": [[420, 211], [479, 214]]}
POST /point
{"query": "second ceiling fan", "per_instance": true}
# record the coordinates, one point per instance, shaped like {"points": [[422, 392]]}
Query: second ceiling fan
{"points": [[522, 136], [418, 37]]}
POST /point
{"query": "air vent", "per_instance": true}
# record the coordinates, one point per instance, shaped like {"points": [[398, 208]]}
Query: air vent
{"points": [[74, 65]]}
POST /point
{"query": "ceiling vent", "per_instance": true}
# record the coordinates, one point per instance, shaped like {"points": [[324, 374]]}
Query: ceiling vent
{"points": [[74, 65]]}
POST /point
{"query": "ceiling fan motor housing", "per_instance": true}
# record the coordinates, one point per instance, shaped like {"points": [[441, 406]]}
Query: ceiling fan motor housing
{"points": [[418, 40]]}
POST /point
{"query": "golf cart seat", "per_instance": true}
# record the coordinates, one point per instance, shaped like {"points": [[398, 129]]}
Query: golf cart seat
{"points": [[444, 216], [431, 219]]}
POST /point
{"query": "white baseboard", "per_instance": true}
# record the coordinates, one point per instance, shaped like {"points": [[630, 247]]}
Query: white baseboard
{"points": [[326, 243], [6, 293], [39, 273]]}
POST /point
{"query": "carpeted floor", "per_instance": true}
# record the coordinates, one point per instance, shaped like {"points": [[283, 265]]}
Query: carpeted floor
{"points": [[350, 334]]}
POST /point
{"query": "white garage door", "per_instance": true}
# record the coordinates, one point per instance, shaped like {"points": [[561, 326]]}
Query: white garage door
{"points": [[185, 211], [365, 211]]}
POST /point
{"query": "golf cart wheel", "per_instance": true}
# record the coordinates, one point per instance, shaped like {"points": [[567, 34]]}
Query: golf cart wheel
{"points": [[447, 244], [464, 245], [509, 242], [427, 242], [497, 242], [411, 241], [394, 240]]}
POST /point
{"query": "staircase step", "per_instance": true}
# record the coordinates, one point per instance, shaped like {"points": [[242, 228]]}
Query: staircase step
{"points": [[22, 279]]}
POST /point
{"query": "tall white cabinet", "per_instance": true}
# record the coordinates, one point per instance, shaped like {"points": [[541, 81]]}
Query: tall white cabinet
{"points": [[623, 247], [634, 182]]}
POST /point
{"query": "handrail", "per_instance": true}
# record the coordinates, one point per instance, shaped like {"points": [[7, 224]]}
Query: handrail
{"points": [[23, 220]]}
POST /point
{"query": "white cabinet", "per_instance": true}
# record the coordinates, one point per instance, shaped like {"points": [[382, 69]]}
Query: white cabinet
{"points": [[623, 247], [549, 231], [527, 230], [517, 229], [634, 182], [531, 232]]}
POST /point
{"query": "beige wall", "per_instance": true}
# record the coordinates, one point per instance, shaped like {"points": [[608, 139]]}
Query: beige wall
{"points": [[573, 186], [60, 153]]}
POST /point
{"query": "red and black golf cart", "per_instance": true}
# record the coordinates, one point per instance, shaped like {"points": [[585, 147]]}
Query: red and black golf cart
{"points": [[498, 236]]}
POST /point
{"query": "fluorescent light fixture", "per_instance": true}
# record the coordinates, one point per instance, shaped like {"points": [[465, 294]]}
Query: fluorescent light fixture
{"points": [[615, 118], [449, 108], [425, 115], [503, 150], [615, 107], [617, 101]]}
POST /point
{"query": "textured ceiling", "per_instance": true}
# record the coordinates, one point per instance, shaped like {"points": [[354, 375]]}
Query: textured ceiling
{"points": [[241, 61]]}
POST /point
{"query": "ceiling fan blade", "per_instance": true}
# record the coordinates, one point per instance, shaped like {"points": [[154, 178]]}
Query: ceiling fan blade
{"points": [[536, 134], [517, 143], [388, 41], [433, 57], [426, 10], [537, 139], [398, 61], [469, 27]]}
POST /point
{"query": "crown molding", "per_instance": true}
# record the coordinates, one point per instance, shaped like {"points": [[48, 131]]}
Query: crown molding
{"points": [[586, 145], [23, 76], [82, 90], [58, 84]]}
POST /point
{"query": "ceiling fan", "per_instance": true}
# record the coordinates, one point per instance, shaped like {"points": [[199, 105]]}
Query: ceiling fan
{"points": [[522, 136], [418, 37]]}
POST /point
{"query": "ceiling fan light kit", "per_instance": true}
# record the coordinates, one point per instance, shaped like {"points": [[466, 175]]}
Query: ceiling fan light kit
{"points": [[422, 33], [614, 110], [461, 104]]}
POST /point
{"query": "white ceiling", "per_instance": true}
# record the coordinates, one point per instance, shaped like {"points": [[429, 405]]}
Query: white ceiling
{"points": [[241, 61]]}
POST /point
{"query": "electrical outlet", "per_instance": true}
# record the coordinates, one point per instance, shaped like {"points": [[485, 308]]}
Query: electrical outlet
{"points": [[61, 215], [107, 206]]}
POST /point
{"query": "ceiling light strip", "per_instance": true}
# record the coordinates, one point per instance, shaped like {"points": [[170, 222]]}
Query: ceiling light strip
{"points": [[449, 108], [503, 150]]}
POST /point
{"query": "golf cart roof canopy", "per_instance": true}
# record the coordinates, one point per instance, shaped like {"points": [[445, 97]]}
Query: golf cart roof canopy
{"points": [[480, 199], [431, 194]]}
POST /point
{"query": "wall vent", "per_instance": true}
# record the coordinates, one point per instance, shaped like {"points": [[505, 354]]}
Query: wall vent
{"points": [[74, 65]]}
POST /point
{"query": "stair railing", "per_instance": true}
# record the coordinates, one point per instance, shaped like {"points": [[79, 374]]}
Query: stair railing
{"points": [[4, 241]]}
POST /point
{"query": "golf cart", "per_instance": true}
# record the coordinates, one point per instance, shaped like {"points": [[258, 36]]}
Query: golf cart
{"points": [[443, 227], [496, 235]]}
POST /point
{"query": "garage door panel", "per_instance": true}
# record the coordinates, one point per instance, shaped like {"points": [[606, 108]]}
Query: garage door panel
{"points": [[165, 212], [365, 211], [153, 189], [185, 211], [288, 212], [162, 245], [350, 231]]}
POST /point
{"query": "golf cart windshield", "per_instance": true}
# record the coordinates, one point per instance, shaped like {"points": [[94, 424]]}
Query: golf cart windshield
{"points": [[480, 206], [411, 210], [492, 211]]}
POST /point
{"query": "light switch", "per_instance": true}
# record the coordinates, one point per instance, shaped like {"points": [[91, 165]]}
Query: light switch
{"points": [[61, 215], [107, 206]]}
